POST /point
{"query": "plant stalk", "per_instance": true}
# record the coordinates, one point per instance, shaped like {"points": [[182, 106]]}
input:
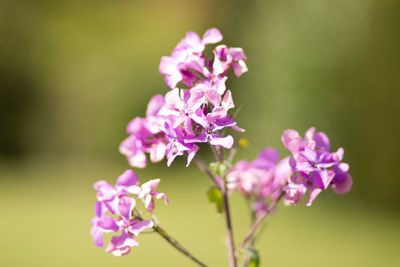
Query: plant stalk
{"points": [[231, 243], [176, 244], [252, 230], [202, 166]]}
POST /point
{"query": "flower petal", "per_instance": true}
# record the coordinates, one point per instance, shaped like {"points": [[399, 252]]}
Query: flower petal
{"points": [[107, 223], [212, 36], [292, 140], [314, 192], [140, 226], [126, 206], [126, 179], [322, 141], [121, 245], [226, 142], [155, 104]]}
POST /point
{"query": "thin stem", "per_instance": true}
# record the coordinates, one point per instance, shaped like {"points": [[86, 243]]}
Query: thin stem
{"points": [[158, 229], [176, 244], [202, 166], [232, 154], [222, 187], [231, 244], [218, 153], [249, 235], [250, 244]]}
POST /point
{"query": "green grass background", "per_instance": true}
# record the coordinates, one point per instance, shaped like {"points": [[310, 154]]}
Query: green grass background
{"points": [[74, 73]]}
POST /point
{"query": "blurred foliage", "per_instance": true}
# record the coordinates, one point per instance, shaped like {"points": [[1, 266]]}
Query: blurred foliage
{"points": [[74, 73]]}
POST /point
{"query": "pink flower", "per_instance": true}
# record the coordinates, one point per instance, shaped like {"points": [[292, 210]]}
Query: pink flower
{"points": [[108, 195], [260, 180], [123, 217], [187, 57], [148, 193], [145, 136], [315, 166]]}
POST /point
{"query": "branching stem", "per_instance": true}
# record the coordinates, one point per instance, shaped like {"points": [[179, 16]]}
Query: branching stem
{"points": [[177, 245], [252, 230]]}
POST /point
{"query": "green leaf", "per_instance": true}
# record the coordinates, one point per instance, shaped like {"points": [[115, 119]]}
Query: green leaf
{"points": [[218, 168], [254, 257], [215, 196]]}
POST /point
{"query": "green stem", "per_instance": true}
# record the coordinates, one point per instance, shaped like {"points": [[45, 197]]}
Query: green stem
{"points": [[177, 245], [252, 230]]}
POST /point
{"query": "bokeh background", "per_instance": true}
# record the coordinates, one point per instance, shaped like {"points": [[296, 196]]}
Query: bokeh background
{"points": [[74, 73]]}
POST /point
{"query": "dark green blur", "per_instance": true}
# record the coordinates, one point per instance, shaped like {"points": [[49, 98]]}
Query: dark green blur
{"points": [[74, 73]]}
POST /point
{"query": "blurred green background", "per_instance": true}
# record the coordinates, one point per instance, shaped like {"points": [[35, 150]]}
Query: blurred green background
{"points": [[74, 73]]}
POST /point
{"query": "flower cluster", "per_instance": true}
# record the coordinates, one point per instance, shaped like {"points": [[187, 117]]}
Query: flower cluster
{"points": [[196, 110], [116, 211], [195, 113], [314, 166], [261, 180]]}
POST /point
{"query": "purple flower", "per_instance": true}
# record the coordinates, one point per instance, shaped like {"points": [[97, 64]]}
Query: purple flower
{"points": [[342, 181], [108, 195], [234, 57], [187, 58], [260, 180], [115, 200], [295, 191], [315, 165], [212, 123], [121, 245], [179, 104], [148, 193], [177, 146], [204, 93], [96, 232], [145, 136]]}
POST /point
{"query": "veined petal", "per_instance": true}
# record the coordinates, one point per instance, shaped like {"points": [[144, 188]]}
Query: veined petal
{"points": [[105, 191], [148, 202], [227, 101], [239, 68], [237, 53], [157, 151], [99, 208], [237, 128], [309, 154], [173, 79], [202, 138], [107, 224], [269, 154], [163, 196], [128, 178], [171, 157], [344, 186], [342, 181], [314, 192], [322, 141], [126, 206], [140, 226], [200, 118], [194, 41], [218, 68], [96, 233], [191, 154], [155, 104], [292, 140], [212, 36], [148, 187], [226, 142], [121, 245], [167, 65]]}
